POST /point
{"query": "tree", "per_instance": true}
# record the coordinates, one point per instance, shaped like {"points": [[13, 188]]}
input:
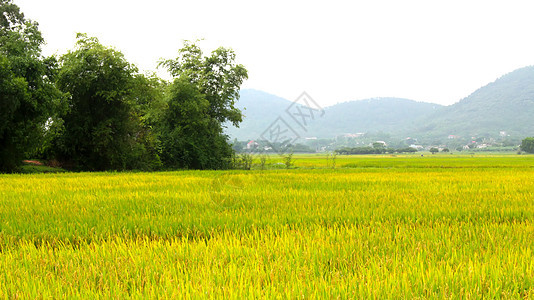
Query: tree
{"points": [[103, 129], [527, 145], [217, 77], [434, 150], [406, 150], [148, 100], [263, 161], [190, 139], [201, 99], [28, 97], [288, 160], [378, 145]]}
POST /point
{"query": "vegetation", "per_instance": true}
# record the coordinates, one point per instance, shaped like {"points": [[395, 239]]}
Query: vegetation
{"points": [[500, 111], [403, 227], [381, 225], [331, 160], [94, 111], [391, 115], [288, 160], [244, 161], [505, 105], [374, 150], [134, 121], [263, 161], [33, 168], [28, 97], [201, 99], [100, 83], [527, 145]]}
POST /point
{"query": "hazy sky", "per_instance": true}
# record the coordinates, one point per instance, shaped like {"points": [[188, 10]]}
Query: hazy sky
{"points": [[435, 51]]}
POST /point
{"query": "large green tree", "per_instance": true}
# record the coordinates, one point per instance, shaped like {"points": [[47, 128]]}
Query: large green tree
{"points": [[527, 145], [103, 129], [190, 138], [218, 77], [29, 100], [200, 100]]}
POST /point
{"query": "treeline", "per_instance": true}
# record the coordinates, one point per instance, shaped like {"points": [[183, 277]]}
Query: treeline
{"points": [[264, 146], [91, 109], [374, 150]]}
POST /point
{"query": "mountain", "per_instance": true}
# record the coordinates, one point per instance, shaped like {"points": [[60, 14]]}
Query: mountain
{"points": [[389, 115], [503, 107], [507, 104], [260, 109]]}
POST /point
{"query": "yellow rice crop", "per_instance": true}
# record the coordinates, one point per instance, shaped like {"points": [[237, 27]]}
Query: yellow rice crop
{"points": [[431, 230]]}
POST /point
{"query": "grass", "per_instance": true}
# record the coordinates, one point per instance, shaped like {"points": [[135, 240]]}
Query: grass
{"points": [[442, 226], [36, 166]]}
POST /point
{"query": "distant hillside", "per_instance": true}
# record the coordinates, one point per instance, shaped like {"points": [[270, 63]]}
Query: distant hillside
{"points": [[260, 110], [389, 115], [506, 104]]}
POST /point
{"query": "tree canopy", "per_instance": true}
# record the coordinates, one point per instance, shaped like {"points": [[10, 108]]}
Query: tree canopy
{"points": [[527, 145], [102, 129], [217, 76], [28, 96], [93, 110], [201, 98]]}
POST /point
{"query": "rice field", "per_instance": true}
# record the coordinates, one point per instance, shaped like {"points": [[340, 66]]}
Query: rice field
{"points": [[440, 226]]}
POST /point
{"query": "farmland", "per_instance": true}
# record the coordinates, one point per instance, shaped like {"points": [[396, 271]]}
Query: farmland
{"points": [[375, 226]]}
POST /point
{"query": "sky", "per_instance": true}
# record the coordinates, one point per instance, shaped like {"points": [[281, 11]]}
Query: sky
{"points": [[336, 51]]}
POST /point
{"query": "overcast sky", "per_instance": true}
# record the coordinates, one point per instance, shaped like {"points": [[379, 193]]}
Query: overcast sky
{"points": [[434, 51]]}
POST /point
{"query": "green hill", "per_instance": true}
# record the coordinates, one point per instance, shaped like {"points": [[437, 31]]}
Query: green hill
{"points": [[260, 110], [389, 115], [503, 107]]}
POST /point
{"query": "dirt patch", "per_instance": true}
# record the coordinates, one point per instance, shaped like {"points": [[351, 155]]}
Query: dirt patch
{"points": [[33, 162]]}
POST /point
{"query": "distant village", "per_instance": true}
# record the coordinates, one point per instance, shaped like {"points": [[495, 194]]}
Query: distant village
{"points": [[370, 144]]}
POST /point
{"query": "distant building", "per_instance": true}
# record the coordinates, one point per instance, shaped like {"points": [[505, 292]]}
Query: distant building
{"points": [[252, 145]]}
